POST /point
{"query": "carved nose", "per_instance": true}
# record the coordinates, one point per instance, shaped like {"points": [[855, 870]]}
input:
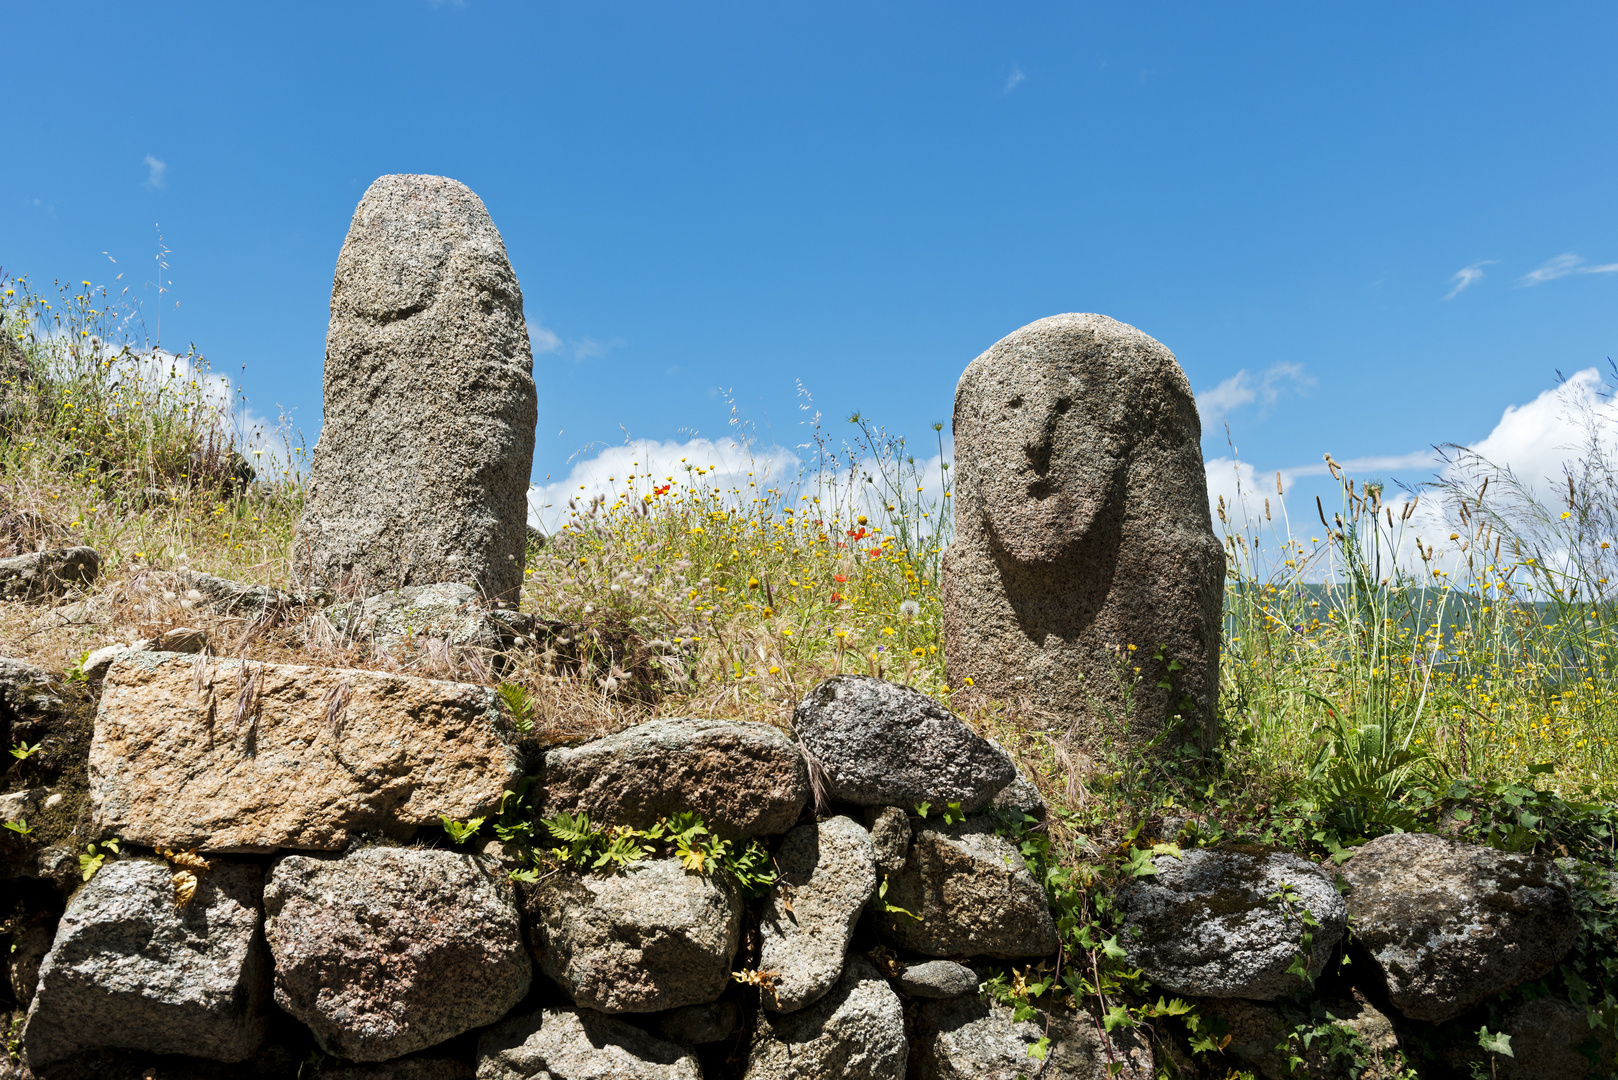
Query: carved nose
{"points": [[1038, 449]]}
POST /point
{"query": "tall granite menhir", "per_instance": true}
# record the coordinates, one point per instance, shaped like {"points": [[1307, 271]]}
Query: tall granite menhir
{"points": [[1082, 529], [421, 472]]}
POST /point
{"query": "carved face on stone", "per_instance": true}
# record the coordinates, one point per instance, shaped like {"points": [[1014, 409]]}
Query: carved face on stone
{"points": [[1049, 459]]}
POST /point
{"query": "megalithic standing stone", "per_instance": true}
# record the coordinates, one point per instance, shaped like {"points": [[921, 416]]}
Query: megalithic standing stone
{"points": [[422, 468], [1084, 577]]}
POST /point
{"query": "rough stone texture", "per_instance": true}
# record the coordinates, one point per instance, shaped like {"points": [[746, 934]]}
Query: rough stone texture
{"points": [[937, 979], [19, 804], [1546, 1034], [1262, 1039], [856, 1032], [448, 610], [41, 575], [651, 938], [1021, 796], [418, 1068], [386, 951], [578, 1044], [128, 970], [28, 690], [1452, 924], [421, 471], [698, 1024], [972, 894], [30, 943], [827, 874], [1204, 924], [1082, 527], [230, 597], [890, 837], [882, 744], [977, 1039], [745, 779], [170, 765]]}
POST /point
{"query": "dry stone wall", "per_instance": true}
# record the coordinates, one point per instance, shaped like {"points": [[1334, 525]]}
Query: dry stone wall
{"points": [[403, 955]]}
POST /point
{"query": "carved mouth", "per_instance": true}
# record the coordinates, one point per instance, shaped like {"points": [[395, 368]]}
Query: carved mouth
{"points": [[1041, 489]]}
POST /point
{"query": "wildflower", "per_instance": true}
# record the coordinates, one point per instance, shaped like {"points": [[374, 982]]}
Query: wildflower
{"points": [[774, 670], [910, 609]]}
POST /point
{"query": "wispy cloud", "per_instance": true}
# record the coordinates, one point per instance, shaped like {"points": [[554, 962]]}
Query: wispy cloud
{"points": [[1014, 80], [545, 340], [1562, 266], [1243, 388], [156, 173], [1468, 275], [542, 339]]}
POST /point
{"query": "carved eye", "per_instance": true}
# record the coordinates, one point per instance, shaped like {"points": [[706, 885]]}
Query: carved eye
{"points": [[1015, 403], [1063, 404]]}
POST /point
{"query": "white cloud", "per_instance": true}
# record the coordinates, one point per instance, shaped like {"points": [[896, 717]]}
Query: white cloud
{"points": [[1562, 266], [1015, 79], [542, 339], [1534, 441], [726, 463], [738, 471], [1468, 275], [156, 172], [589, 348], [1243, 389]]}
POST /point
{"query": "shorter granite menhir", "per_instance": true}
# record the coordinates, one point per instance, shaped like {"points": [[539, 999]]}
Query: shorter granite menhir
{"points": [[230, 755]]}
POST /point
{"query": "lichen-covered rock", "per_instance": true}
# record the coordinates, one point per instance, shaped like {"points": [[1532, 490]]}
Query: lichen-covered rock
{"points": [[973, 1038], [129, 970], [28, 689], [386, 951], [1206, 923], [1451, 924], [230, 755], [968, 893], [653, 937], [408, 1068], [827, 873], [856, 1032], [745, 779], [41, 575], [421, 471], [890, 837], [936, 979], [1081, 528], [882, 744], [578, 1044]]}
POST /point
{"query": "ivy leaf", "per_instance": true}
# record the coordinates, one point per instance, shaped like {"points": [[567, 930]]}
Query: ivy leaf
{"points": [[1497, 1042]]}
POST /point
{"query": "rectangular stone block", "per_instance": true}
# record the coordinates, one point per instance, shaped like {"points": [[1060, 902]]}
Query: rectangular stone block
{"points": [[234, 755]]}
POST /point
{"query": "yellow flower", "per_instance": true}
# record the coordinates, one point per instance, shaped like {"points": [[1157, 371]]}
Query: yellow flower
{"points": [[969, 681], [774, 670]]}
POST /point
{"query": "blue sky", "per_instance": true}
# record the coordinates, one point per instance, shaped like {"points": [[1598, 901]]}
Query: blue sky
{"points": [[1362, 228]]}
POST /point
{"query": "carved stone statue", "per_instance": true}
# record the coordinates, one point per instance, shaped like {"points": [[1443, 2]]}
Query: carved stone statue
{"points": [[1084, 574]]}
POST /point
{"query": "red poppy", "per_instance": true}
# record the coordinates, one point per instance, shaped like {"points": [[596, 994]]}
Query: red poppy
{"points": [[839, 578], [836, 598]]}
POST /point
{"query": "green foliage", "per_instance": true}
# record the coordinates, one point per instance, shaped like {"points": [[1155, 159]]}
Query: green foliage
{"points": [[1303, 962], [892, 909], [460, 832], [519, 705], [19, 826], [22, 751], [93, 856], [585, 845]]}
